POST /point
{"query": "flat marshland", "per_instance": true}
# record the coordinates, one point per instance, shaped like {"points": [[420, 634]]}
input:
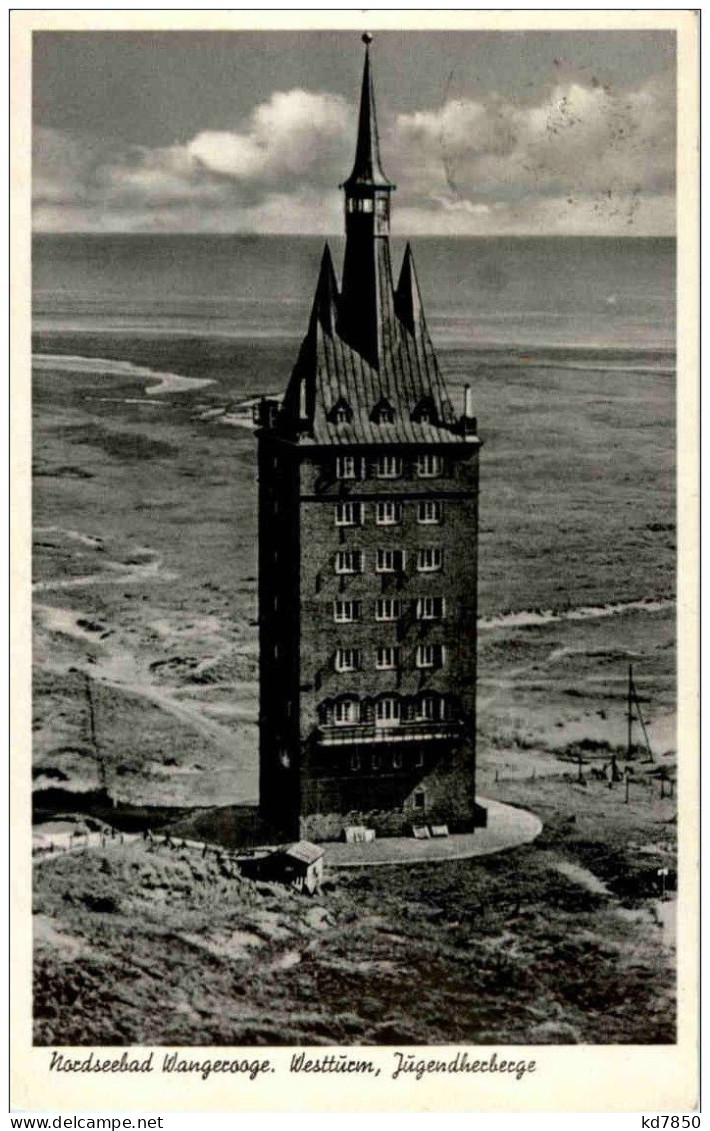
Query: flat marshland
{"points": [[145, 684]]}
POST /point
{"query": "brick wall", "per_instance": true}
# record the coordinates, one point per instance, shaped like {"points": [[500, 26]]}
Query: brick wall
{"points": [[279, 629], [313, 790], [385, 797]]}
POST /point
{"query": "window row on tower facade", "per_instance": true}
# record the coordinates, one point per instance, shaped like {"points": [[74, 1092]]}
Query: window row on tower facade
{"points": [[388, 710], [429, 559], [391, 609], [376, 760], [388, 512], [389, 658], [386, 466]]}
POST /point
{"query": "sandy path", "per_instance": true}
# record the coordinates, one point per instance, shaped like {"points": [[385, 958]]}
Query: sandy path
{"points": [[582, 876], [108, 367], [528, 617], [117, 666], [116, 573]]}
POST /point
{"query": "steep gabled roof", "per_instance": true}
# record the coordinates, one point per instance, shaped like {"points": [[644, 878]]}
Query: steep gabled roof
{"points": [[368, 344], [328, 371]]}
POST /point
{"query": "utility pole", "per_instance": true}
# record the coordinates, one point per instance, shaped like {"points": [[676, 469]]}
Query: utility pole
{"points": [[100, 763], [92, 717], [633, 700], [629, 712]]}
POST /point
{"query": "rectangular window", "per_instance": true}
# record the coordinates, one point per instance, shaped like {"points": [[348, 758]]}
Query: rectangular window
{"points": [[429, 511], [430, 608], [347, 660], [388, 513], [429, 466], [388, 608], [390, 561], [346, 611], [348, 514], [430, 656], [348, 561], [345, 711], [387, 658], [388, 467], [387, 711], [345, 467], [429, 559]]}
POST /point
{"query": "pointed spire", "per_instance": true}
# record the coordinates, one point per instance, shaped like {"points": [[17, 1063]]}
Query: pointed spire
{"points": [[325, 303], [407, 298], [367, 169]]}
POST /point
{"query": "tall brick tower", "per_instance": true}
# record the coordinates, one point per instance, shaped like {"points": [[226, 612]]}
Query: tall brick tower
{"points": [[368, 530]]}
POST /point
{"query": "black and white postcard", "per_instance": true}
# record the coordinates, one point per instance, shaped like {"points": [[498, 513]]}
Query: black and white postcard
{"points": [[355, 738]]}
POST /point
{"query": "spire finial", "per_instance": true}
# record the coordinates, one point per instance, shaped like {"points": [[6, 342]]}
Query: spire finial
{"points": [[367, 170]]}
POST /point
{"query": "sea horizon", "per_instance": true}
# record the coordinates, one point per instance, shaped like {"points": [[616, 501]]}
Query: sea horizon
{"points": [[489, 292]]}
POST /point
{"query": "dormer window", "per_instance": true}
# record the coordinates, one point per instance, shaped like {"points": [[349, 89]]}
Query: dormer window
{"points": [[383, 412], [425, 412], [341, 412]]}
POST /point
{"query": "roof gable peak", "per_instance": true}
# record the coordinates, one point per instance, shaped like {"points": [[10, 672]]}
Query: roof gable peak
{"points": [[407, 297], [325, 302]]}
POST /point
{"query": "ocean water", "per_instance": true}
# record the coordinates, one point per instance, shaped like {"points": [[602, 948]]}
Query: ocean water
{"points": [[571, 294]]}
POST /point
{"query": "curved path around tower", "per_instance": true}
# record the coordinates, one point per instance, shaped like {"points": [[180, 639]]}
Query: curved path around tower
{"points": [[508, 827]]}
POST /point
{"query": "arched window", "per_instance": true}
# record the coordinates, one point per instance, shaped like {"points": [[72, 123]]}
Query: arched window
{"points": [[346, 711], [343, 711], [387, 711], [430, 708]]}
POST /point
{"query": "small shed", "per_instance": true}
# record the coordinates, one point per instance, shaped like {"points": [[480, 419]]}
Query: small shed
{"points": [[301, 865]]}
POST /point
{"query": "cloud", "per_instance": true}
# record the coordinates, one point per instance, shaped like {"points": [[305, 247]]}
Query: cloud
{"points": [[600, 155], [275, 174], [296, 133], [580, 157]]}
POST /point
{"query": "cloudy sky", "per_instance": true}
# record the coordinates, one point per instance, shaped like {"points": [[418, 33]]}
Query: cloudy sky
{"points": [[483, 132]]}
